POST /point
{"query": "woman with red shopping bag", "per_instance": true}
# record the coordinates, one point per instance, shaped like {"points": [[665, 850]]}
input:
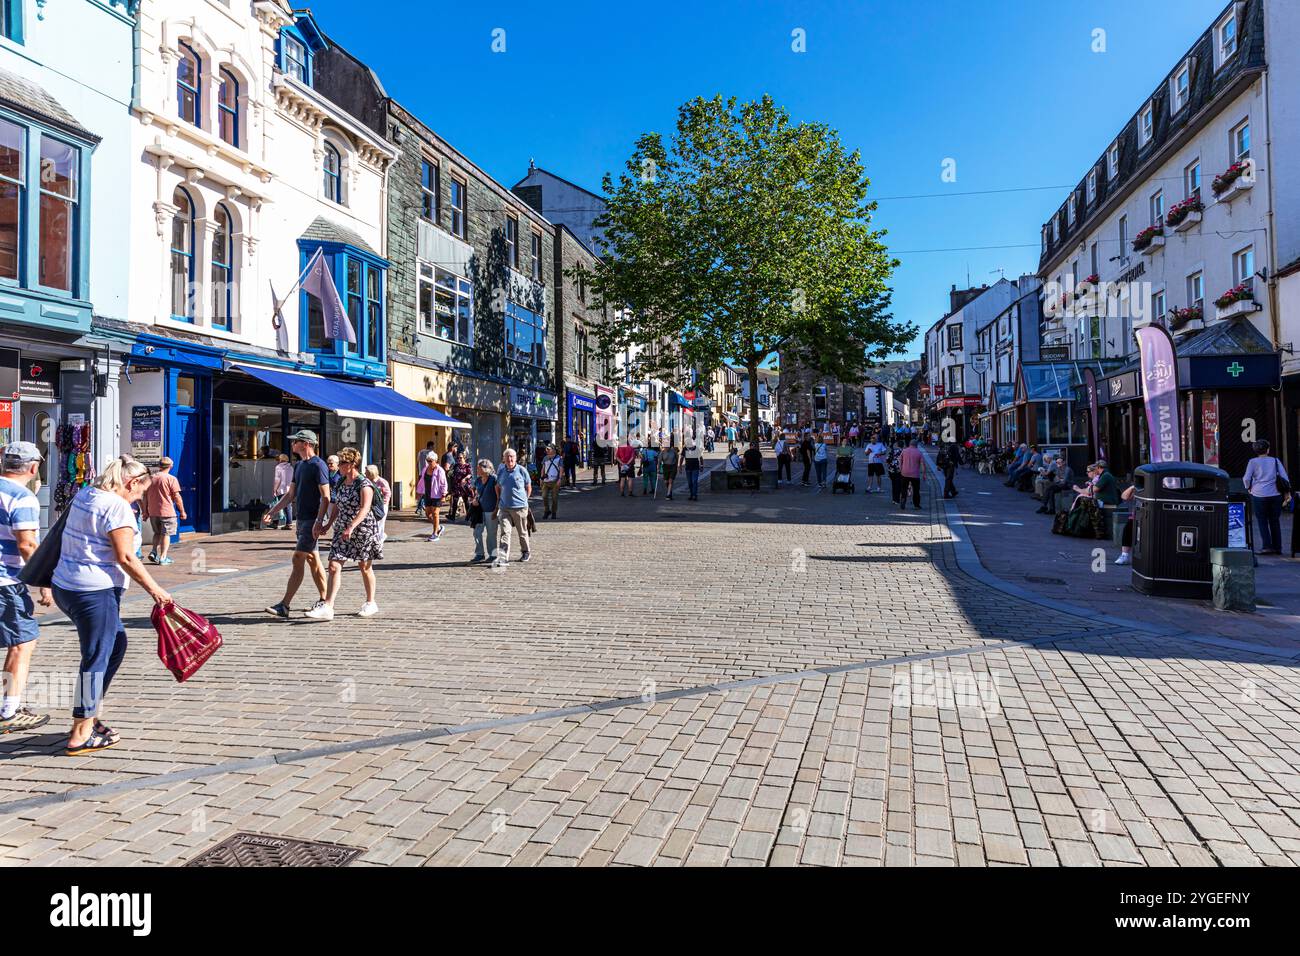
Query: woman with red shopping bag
{"points": [[97, 563]]}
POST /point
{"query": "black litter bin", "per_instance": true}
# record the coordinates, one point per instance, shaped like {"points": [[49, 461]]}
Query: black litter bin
{"points": [[1180, 513]]}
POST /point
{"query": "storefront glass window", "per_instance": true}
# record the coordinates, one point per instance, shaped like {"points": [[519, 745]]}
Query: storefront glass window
{"points": [[1210, 428], [185, 391], [254, 437]]}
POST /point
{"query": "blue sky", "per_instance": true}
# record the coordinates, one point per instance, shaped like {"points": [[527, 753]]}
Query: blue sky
{"points": [[1009, 89]]}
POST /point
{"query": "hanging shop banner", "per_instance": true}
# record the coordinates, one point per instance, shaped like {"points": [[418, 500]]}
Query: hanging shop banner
{"points": [[39, 379], [1090, 383], [1160, 391]]}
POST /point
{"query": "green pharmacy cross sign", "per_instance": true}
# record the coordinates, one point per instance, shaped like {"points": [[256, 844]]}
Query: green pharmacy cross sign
{"points": [[1235, 369]]}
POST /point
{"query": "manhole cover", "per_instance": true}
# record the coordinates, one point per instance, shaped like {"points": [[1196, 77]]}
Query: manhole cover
{"points": [[1041, 580], [257, 849]]}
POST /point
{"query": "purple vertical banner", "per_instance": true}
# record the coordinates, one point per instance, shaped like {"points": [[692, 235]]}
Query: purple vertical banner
{"points": [[1160, 391], [1090, 383]]}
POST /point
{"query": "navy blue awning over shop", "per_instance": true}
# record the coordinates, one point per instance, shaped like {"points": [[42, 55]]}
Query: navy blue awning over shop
{"points": [[375, 402]]}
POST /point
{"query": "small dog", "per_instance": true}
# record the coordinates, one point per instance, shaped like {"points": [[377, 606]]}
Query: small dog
{"points": [[984, 467]]}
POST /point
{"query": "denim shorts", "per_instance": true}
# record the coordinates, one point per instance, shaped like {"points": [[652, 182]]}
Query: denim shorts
{"points": [[307, 542], [17, 625]]}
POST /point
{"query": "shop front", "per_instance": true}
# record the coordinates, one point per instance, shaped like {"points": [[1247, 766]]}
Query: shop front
{"points": [[961, 411], [532, 420], [633, 412], [998, 425], [48, 397], [1051, 409], [580, 417], [607, 415]]}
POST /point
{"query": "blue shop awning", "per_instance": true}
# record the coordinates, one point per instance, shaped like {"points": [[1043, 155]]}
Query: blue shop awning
{"points": [[376, 402]]}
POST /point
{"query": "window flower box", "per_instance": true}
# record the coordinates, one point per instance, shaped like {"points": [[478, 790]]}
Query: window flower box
{"points": [[1234, 181], [1186, 214], [1239, 300], [1150, 239], [1186, 320]]}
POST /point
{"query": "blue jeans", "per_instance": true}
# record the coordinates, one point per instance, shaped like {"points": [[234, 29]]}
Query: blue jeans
{"points": [[693, 481], [485, 537], [1268, 515], [97, 618], [821, 471]]}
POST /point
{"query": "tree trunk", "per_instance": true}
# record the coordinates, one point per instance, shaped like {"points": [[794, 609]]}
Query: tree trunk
{"points": [[752, 367]]}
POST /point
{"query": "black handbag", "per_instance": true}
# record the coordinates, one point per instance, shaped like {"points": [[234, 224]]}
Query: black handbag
{"points": [[38, 572]]}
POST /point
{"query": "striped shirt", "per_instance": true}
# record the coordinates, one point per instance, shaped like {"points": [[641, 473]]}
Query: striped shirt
{"points": [[19, 511]]}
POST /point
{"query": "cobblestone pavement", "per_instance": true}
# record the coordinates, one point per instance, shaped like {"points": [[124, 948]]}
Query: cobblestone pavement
{"points": [[790, 677], [1006, 532]]}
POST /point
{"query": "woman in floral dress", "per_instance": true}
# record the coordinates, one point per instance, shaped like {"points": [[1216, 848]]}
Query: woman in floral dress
{"points": [[461, 483], [356, 535]]}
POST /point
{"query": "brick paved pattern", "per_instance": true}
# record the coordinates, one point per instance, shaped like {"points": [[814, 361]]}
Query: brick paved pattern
{"points": [[1102, 748]]}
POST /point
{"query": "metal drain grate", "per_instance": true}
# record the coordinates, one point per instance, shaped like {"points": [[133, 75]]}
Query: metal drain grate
{"points": [[257, 849], [1040, 580]]}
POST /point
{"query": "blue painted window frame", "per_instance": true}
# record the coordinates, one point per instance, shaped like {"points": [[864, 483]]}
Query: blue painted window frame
{"points": [[300, 36], [11, 20], [223, 270], [188, 254], [196, 90], [29, 210], [333, 178], [371, 344], [224, 76]]}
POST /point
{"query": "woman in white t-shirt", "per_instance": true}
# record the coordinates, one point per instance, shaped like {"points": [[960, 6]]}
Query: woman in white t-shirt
{"points": [[97, 562], [820, 456]]}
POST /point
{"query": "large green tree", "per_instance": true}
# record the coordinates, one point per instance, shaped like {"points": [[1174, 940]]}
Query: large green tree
{"points": [[747, 234]]}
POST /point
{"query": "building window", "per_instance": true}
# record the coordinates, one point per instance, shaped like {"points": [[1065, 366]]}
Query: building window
{"points": [[429, 187], [1227, 36], [1092, 186], [333, 170], [1182, 88], [512, 241], [1158, 305], [537, 256], [446, 305], [1192, 179], [294, 58], [222, 269], [59, 167], [11, 13], [1123, 235], [1195, 289], [1044, 240], [1069, 212], [458, 207], [362, 296], [1095, 261], [1239, 143], [13, 162], [189, 76], [955, 380], [1112, 161], [1243, 265], [525, 335], [1146, 124], [954, 337], [228, 108], [182, 257], [580, 351], [1157, 207], [819, 402]]}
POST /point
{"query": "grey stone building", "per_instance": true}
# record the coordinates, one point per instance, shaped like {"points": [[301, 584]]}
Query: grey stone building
{"points": [[472, 328], [807, 397]]}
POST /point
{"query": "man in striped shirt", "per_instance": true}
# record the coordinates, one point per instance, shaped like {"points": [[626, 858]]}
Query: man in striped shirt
{"points": [[20, 521]]}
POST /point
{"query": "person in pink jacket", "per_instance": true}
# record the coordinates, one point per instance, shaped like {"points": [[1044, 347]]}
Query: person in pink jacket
{"points": [[431, 487], [910, 464]]}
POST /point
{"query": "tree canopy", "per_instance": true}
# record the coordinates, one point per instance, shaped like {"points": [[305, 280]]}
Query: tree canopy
{"points": [[745, 235]]}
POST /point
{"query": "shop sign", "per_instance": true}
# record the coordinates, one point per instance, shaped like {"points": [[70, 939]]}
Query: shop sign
{"points": [[530, 403], [39, 379], [582, 402], [146, 433], [1054, 353], [603, 402], [6, 414], [1121, 388], [1230, 371]]}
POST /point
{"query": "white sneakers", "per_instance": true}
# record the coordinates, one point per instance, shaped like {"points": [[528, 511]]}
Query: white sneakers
{"points": [[1124, 559], [320, 611]]}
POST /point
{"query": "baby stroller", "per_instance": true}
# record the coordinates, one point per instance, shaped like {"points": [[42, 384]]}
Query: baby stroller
{"points": [[843, 474]]}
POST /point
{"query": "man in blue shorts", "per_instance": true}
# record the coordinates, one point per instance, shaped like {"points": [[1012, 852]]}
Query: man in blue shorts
{"points": [[310, 493]]}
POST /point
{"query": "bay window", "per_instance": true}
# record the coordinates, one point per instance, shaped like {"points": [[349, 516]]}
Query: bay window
{"points": [[525, 334], [359, 278]]}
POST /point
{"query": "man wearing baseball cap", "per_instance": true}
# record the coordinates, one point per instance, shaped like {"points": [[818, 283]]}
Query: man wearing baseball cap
{"points": [[310, 493], [20, 521]]}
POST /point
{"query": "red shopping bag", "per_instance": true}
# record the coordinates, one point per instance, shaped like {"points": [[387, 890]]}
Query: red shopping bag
{"points": [[185, 639]]}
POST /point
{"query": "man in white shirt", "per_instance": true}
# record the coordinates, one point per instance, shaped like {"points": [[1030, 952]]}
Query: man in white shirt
{"points": [[20, 521], [876, 454]]}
